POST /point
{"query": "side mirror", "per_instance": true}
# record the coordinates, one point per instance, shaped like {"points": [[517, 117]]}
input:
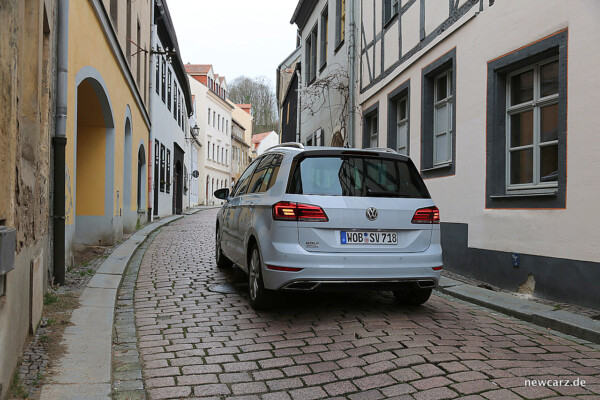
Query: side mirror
{"points": [[222, 194]]}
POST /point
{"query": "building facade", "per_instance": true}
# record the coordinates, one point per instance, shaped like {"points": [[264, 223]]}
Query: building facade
{"points": [[27, 82], [476, 94], [327, 59], [213, 116], [262, 142], [241, 133], [288, 75], [171, 107]]}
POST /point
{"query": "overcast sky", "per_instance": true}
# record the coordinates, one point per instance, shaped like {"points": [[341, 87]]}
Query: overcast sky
{"points": [[238, 37]]}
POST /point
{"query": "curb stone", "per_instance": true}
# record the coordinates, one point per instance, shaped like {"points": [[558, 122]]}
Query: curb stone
{"points": [[84, 371], [535, 313]]}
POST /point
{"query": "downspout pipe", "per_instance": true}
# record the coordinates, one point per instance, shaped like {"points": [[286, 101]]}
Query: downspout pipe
{"points": [[299, 106], [59, 141], [352, 75]]}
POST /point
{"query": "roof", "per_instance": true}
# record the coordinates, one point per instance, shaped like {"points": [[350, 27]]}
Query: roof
{"points": [[246, 107], [197, 69], [302, 12], [256, 139], [168, 37]]}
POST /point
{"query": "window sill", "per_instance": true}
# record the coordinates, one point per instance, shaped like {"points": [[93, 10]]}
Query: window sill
{"points": [[524, 195], [338, 47], [437, 167], [390, 20]]}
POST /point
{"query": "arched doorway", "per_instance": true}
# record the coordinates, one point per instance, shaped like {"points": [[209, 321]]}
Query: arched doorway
{"points": [[141, 179], [95, 221], [129, 215]]}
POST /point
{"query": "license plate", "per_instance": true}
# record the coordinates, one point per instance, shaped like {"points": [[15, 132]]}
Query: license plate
{"points": [[361, 237]]}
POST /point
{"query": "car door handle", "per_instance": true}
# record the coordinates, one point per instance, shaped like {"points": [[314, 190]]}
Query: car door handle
{"points": [[251, 204]]}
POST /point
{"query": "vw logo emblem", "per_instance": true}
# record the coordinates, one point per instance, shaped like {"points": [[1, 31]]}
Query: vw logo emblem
{"points": [[372, 213]]}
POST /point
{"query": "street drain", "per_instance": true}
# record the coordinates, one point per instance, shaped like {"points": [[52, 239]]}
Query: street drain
{"points": [[227, 288]]}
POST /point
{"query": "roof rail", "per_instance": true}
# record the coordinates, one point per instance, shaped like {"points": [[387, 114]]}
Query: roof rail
{"points": [[386, 149], [288, 144]]}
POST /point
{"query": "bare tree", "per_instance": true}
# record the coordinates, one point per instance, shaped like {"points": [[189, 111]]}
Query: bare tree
{"points": [[258, 92]]}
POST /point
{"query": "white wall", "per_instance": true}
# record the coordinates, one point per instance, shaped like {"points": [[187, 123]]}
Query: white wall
{"points": [[167, 131], [573, 232], [268, 141]]}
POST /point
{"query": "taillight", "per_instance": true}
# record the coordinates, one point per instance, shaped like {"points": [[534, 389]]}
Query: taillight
{"points": [[429, 215], [288, 211]]}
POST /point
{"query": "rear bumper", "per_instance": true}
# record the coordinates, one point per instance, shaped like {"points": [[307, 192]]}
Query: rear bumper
{"points": [[353, 271]]}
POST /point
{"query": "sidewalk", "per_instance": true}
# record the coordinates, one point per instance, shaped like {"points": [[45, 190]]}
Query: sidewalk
{"points": [[84, 371], [536, 312]]}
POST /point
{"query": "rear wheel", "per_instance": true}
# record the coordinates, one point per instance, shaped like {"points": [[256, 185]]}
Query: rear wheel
{"points": [[220, 258], [259, 296], [412, 297]]}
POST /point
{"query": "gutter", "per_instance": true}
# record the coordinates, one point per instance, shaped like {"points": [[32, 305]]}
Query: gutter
{"points": [[59, 142], [351, 76]]}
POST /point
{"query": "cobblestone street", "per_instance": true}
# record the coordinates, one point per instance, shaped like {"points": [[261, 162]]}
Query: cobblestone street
{"points": [[198, 343]]}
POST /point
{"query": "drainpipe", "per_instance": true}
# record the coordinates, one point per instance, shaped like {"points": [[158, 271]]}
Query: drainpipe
{"points": [[59, 141], [151, 155], [351, 75], [299, 106]]}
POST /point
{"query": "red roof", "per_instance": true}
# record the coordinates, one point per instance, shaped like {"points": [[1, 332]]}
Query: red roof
{"points": [[256, 139], [245, 107], [197, 69]]}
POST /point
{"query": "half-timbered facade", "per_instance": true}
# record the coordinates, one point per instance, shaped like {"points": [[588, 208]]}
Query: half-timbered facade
{"points": [[476, 93]]}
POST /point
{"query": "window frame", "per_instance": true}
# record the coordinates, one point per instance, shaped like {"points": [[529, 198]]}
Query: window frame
{"points": [[169, 88], [535, 105], [164, 80], [168, 176], [324, 36], [340, 23], [368, 114], [446, 63], [402, 92], [498, 194], [162, 181], [311, 55], [390, 10], [448, 100]]}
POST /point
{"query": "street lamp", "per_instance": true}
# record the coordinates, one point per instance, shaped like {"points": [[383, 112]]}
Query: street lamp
{"points": [[195, 131]]}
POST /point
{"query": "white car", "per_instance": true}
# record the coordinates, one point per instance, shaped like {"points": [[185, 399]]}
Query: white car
{"points": [[323, 218]]}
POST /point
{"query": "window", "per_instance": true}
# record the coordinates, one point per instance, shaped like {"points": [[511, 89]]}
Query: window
{"points": [[357, 177], [438, 117], [214, 117], [271, 174], [527, 126], [168, 177], [226, 157], [208, 150], [390, 9], [371, 126], [242, 183], [222, 158], [209, 116], [398, 119], [157, 83], [259, 175], [213, 153], [156, 165], [169, 92], [340, 22], [532, 126], [175, 102], [164, 79], [227, 127], [219, 122], [324, 35], [162, 167], [311, 56], [442, 119]]}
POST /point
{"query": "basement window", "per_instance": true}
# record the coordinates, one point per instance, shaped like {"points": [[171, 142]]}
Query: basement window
{"points": [[2, 285]]}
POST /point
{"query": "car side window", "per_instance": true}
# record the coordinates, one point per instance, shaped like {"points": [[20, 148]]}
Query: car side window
{"points": [[259, 174], [242, 184], [271, 175]]}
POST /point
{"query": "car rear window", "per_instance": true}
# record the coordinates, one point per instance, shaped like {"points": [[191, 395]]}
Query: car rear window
{"points": [[358, 177]]}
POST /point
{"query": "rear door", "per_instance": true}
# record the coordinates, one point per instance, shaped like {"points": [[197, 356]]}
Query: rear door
{"points": [[369, 199]]}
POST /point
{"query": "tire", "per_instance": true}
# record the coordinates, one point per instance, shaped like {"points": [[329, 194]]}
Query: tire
{"points": [[412, 297], [222, 261], [260, 298]]}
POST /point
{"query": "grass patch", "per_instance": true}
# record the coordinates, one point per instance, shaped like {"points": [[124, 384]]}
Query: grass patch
{"points": [[17, 388], [44, 338], [50, 298], [89, 271]]}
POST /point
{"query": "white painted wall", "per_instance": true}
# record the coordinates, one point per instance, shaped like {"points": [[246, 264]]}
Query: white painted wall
{"points": [[167, 131], [268, 141], [572, 233]]}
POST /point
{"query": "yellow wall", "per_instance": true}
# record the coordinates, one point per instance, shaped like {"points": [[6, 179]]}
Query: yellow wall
{"points": [[91, 150], [88, 47]]}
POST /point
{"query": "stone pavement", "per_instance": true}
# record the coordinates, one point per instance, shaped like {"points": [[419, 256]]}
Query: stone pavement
{"points": [[84, 372], [195, 342]]}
